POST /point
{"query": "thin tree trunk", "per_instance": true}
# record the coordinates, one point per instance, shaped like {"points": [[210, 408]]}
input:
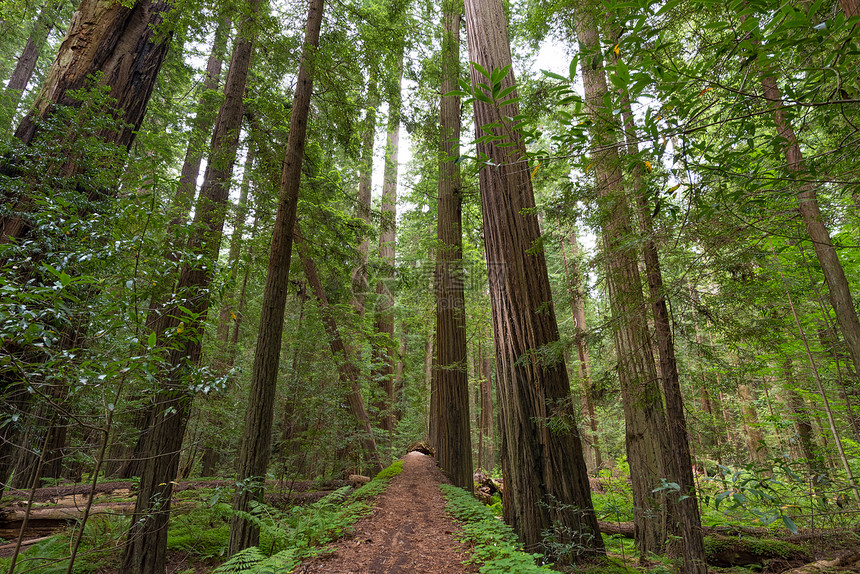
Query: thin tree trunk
{"points": [[384, 314], [227, 315], [454, 436], [256, 436], [26, 64], [349, 372], [831, 267], [821, 392], [755, 439], [359, 274], [646, 437], [488, 461], [546, 481], [147, 539], [577, 303], [201, 126]]}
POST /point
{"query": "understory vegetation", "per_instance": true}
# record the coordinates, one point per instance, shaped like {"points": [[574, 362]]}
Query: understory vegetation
{"points": [[601, 258]]}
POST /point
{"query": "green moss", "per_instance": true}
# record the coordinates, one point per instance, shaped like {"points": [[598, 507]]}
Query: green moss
{"points": [[766, 548]]}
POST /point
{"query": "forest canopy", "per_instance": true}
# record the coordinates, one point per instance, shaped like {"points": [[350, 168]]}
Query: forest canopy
{"points": [[600, 259]]}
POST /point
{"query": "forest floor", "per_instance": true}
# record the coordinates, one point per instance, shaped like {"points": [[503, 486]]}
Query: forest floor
{"points": [[408, 531]]}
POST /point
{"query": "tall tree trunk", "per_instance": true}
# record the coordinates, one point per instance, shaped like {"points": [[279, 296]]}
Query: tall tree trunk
{"points": [[544, 468], [201, 126], [685, 507], [359, 274], [29, 57], [256, 436], [227, 315], [454, 444], [384, 313], [349, 372], [646, 436], [831, 267], [577, 303], [488, 460], [147, 539]]}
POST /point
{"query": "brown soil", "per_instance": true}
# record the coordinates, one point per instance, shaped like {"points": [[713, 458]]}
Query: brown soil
{"points": [[408, 531]]}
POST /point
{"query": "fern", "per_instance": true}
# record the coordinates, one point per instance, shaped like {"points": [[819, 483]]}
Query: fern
{"points": [[242, 562]]}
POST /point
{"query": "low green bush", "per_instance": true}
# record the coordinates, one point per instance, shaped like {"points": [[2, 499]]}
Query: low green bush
{"points": [[494, 545]]}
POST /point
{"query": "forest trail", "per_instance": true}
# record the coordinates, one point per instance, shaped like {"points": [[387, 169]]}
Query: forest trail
{"points": [[408, 531]]}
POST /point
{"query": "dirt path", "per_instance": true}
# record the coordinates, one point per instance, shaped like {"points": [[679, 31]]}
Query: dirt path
{"points": [[408, 531]]}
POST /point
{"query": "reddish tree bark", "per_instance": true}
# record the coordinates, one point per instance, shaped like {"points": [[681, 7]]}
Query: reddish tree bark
{"points": [[543, 464], [256, 436]]}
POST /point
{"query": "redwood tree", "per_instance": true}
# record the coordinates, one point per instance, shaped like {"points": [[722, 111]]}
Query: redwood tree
{"points": [[453, 439], [257, 434], [542, 461], [179, 328]]}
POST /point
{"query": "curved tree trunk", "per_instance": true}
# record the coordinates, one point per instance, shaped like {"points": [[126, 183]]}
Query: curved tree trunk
{"points": [[544, 468]]}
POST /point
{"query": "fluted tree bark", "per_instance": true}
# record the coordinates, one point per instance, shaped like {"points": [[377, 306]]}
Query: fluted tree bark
{"points": [[646, 433], [454, 445], [546, 483]]}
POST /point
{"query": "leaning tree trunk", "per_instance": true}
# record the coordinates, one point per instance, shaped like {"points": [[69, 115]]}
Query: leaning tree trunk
{"points": [[646, 437], [182, 332], [454, 445], [831, 267], [350, 373], [256, 436], [546, 482]]}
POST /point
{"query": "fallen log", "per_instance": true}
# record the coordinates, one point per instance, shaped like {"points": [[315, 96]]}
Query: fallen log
{"points": [[24, 543], [846, 560], [64, 512], [626, 530]]}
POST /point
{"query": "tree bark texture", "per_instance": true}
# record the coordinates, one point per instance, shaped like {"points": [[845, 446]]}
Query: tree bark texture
{"points": [[543, 464], [125, 44], [646, 435], [831, 267], [147, 539], [121, 43], [685, 508], [454, 446], [256, 436]]}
